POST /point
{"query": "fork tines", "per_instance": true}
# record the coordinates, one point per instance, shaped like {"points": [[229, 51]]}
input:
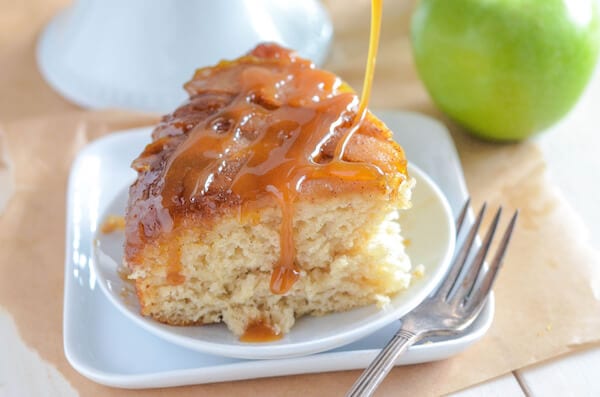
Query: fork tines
{"points": [[462, 285]]}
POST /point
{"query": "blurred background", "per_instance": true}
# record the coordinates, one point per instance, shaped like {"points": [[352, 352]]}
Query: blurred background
{"points": [[26, 93]]}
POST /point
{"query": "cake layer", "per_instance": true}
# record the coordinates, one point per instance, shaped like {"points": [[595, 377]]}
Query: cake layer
{"points": [[349, 249]]}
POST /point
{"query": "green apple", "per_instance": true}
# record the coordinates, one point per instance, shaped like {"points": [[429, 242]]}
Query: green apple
{"points": [[505, 69]]}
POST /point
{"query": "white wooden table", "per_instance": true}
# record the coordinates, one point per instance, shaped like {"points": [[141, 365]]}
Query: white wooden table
{"points": [[571, 148]]}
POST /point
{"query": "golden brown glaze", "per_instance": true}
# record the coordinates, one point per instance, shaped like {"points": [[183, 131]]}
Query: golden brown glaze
{"points": [[264, 127]]}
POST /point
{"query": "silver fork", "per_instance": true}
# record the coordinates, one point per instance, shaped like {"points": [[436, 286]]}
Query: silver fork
{"points": [[452, 308]]}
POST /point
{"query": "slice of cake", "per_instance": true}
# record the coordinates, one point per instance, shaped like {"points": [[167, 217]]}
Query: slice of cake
{"points": [[263, 199]]}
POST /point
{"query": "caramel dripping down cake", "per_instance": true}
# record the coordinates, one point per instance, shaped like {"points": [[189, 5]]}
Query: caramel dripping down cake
{"points": [[243, 213]]}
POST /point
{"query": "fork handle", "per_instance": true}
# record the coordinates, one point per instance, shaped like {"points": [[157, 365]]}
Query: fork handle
{"points": [[374, 374]]}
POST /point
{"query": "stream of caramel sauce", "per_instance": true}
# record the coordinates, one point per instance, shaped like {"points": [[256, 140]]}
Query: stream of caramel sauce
{"points": [[376, 10]]}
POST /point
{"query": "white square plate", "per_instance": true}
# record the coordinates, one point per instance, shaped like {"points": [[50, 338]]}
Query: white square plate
{"points": [[107, 347]]}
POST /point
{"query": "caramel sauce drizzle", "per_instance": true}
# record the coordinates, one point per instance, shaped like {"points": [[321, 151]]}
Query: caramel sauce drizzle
{"points": [[263, 123], [267, 141]]}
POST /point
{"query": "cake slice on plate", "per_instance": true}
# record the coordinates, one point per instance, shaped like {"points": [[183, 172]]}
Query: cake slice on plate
{"points": [[263, 198]]}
